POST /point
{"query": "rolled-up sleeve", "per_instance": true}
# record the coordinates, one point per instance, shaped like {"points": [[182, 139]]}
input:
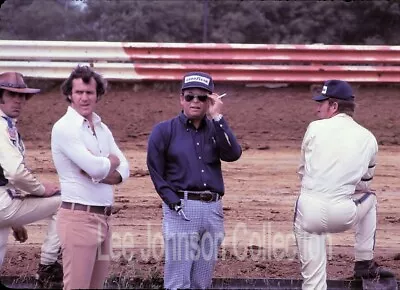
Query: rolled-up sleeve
{"points": [[69, 143]]}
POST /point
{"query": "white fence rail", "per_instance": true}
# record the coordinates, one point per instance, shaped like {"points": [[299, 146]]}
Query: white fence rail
{"points": [[226, 62]]}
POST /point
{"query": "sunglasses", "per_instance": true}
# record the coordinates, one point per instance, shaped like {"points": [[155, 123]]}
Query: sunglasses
{"points": [[189, 98]]}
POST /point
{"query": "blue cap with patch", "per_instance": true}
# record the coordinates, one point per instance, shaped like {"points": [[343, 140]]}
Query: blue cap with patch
{"points": [[335, 89], [198, 80]]}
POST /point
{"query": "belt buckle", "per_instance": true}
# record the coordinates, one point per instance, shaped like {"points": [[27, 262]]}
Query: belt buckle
{"points": [[107, 210], [203, 196]]}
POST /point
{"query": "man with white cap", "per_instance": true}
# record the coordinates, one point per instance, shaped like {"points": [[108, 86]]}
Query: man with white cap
{"points": [[23, 198], [338, 159], [184, 160]]}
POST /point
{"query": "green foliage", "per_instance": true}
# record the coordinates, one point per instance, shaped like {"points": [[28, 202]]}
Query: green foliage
{"points": [[36, 20], [194, 21]]}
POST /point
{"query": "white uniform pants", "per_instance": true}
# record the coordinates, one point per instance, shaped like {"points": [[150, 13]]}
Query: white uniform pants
{"points": [[28, 210], [314, 218]]}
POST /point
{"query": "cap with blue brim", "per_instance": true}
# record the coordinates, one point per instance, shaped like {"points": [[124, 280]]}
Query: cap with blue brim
{"points": [[335, 89]]}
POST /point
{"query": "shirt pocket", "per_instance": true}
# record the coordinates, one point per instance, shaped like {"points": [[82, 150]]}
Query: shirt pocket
{"points": [[211, 152]]}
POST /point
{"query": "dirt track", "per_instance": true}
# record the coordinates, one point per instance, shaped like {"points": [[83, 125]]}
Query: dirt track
{"points": [[260, 188]]}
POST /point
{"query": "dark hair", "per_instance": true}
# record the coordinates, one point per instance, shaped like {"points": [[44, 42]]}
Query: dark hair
{"points": [[1, 93], [344, 106], [85, 73]]}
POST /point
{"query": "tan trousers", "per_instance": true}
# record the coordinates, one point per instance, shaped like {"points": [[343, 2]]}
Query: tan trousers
{"points": [[315, 218], [28, 210], [86, 247]]}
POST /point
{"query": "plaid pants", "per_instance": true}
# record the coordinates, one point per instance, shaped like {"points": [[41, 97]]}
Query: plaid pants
{"points": [[191, 247]]}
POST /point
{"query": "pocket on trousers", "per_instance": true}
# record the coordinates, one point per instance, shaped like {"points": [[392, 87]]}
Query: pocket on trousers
{"points": [[218, 210]]}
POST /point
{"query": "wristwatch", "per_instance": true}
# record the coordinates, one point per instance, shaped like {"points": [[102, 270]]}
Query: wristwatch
{"points": [[218, 118]]}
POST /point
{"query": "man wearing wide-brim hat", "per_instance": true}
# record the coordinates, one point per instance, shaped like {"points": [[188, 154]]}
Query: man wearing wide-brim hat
{"points": [[23, 198]]}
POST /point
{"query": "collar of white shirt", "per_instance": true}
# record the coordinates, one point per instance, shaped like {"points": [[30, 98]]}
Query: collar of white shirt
{"points": [[78, 119], [14, 120], [343, 115]]}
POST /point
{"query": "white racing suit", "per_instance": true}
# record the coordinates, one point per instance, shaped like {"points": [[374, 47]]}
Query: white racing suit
{"points": [[338, 159], [21, 194]]}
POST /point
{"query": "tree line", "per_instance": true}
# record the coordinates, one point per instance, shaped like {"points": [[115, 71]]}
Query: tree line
{"points": [[196, 21]]}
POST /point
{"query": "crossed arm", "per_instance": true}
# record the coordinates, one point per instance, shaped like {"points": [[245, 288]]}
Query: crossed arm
{"points": [[113, 178]]}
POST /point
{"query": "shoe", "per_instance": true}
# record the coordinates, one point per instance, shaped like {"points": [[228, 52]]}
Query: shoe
{"points": [[50, 273], [370, 269]]}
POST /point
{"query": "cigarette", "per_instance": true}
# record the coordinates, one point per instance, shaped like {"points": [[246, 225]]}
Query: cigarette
{"points": [[221, 96]]}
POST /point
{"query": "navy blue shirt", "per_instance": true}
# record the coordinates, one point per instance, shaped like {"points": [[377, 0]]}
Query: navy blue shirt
{"points": [[181, 157]]}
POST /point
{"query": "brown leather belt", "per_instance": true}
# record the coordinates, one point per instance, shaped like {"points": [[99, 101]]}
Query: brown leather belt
{"points": [[106, 210], [204, 196]]}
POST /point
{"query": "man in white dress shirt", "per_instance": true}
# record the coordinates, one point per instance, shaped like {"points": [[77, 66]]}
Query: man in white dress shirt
{"points": [[88, 162], [338, 158]]}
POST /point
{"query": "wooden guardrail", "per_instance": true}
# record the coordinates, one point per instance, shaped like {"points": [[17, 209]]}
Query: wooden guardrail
{"points": [[226, 62]]}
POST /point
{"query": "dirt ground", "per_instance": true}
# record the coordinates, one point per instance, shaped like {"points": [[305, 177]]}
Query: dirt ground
{"points": [[261, 187]]}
